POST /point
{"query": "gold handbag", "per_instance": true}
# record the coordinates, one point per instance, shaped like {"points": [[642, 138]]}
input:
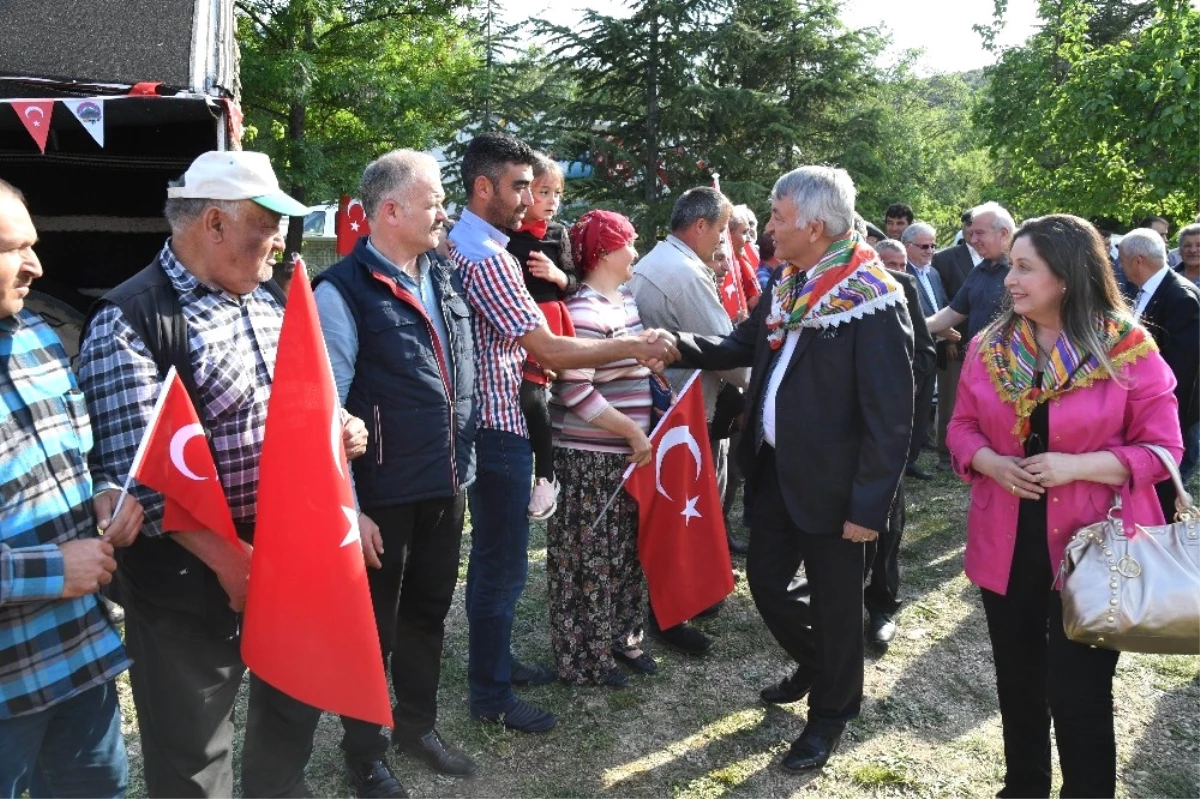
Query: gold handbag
{"points": [[1136, 593]]}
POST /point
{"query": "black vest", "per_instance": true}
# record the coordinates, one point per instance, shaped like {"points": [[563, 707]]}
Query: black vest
{"points": [[419, 407]]}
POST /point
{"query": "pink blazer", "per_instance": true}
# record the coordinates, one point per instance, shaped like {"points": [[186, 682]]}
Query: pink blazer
{"points": [[1102, 416]]}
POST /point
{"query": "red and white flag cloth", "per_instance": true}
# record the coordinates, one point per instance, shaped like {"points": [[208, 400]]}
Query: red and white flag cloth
{"points": [[309, 629], [174, 459], [350, 224], [681, 527], [35, 116]]}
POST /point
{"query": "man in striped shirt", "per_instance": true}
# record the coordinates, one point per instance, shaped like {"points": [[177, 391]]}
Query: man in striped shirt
{"points": [[60, 725], [497, 172]]}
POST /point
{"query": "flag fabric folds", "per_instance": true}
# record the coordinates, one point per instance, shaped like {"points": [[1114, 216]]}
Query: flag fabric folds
{"points": [[681, 528], [309, 628]]}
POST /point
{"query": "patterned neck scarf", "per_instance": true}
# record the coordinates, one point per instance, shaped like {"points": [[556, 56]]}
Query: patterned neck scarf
{"points": [[1011, 360], [847, 282]]}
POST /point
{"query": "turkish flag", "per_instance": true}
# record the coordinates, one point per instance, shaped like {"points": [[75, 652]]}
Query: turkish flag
{"points": [[174, 459], [309, 629], [350, 224], [732, 296], [35, 116], [681, 527]]}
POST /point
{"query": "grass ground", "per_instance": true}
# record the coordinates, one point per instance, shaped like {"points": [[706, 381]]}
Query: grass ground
{"points": [[929, 727]]}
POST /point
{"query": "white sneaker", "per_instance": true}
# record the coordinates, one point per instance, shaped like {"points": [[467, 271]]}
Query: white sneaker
{"points": [[544, 501]]}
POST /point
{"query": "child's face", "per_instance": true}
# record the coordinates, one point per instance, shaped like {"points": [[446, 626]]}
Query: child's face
{"points": [[547, 197]]}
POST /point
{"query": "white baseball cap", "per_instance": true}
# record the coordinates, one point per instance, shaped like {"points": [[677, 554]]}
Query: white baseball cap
{"points": [[236, 175]]}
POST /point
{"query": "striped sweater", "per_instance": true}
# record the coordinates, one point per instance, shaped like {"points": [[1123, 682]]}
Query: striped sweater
{"points": [[580, 395]]}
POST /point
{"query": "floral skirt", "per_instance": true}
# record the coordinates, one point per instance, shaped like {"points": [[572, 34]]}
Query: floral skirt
{"points": [[597, 591]]}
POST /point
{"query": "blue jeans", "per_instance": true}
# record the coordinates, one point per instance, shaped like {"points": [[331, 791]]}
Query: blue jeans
{"points": [[74, 748], [498, 563]]}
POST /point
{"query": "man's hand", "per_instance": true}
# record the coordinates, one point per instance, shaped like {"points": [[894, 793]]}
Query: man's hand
{"points": [[87, 564], [354, 436], [656, 349], [541, 266], [371, 540], [123, 530], [857, 534], [950, 335], [234, 574]]}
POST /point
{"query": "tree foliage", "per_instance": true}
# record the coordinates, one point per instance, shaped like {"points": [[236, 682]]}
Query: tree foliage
{"points": [[327, 85], [1084, 121]]}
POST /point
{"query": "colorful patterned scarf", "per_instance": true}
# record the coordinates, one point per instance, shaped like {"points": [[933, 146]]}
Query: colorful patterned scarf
{"points": [[1011, 360], [848, 282]]}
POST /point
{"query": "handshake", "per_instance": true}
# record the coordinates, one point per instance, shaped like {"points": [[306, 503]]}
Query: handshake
{"points": [[655, 349]]}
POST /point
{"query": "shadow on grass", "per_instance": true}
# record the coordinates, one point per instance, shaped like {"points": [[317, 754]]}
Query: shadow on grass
{"points": [[1155, 769]]}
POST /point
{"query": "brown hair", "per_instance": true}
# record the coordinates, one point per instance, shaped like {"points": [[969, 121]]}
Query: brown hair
{"points": [[544, 165]]}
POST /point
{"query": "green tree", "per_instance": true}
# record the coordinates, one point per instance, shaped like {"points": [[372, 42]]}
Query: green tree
{"points": [[327, 85], [1084, 121]]}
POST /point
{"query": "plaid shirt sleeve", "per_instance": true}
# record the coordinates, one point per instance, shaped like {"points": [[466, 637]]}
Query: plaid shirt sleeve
{"points": [[30, 574], [119, 378], [497, 291]]}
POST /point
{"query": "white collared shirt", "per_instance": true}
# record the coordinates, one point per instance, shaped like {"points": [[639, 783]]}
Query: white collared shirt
{"points": [[1147, 291], [776, 378]]}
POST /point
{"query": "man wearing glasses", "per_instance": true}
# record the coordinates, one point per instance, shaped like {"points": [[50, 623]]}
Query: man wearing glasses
{"points": [[918, 239]]}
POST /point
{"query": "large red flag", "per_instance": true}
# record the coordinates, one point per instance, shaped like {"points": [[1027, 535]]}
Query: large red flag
{"points": [[174, 459], [350, 224], [681, 527], [309, 629]]}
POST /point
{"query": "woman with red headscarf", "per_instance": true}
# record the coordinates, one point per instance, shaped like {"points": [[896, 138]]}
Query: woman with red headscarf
{"points": [[601, 417]]}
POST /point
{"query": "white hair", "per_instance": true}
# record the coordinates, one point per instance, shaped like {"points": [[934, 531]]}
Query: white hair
{"points": [[917, 229], [742, 215], [821, 193], [1190, 230], [893, 245], [1001, 218], [390, 175], [1144, 242]]}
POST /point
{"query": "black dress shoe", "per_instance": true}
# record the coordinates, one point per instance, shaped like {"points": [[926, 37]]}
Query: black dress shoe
{"points": [[521, 717], [737, 547], [684, 638], [615, 679], [812, 749], [373, 779], [433, 752], [531, 674], [913, 470], [789, 689], [881, 629], [643, 663]]}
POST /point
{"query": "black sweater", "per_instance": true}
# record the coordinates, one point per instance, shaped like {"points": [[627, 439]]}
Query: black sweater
{"points": [[557, 247]]}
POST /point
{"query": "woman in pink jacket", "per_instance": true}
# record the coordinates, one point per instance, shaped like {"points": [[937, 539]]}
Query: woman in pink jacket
{"points": [[1055, 399]]}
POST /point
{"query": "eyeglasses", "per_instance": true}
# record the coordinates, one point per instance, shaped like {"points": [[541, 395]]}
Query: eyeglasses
{"points": [[926, 246]]}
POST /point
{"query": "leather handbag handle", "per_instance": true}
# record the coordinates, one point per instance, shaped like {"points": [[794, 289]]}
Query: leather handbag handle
{"points": [[1184, 505]]}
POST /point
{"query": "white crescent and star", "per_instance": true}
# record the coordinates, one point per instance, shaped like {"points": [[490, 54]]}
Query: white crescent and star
{"points": [[680, 434], [730, 289], [352, 535], [178, 441], [37, 123]]}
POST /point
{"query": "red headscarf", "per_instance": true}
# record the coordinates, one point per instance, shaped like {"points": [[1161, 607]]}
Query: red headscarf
{"points": [[596, 234]]}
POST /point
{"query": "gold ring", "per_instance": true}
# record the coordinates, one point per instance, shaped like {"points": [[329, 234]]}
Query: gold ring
{"points": [[1013, 488]]}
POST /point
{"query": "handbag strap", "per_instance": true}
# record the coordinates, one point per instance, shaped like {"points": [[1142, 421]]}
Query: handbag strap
{"points": [[1184, 505]]}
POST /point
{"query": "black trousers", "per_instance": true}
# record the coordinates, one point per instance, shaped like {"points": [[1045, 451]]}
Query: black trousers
{"points": [[922, 415], [825, 637], [882, 592], [1041, 675], [185, 682], [535, 406], [411, 596]]}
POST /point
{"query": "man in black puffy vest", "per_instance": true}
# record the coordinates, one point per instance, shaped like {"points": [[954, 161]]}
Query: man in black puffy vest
{"points": [[398, 332]]}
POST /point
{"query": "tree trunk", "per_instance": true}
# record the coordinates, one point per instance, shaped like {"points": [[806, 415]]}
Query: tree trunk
{"points": [[297, 117], [651, 179]]}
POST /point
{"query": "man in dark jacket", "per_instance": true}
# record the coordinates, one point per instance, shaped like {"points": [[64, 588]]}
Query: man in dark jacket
{"points": [[399, 338], [830, 409], [952, 265]]}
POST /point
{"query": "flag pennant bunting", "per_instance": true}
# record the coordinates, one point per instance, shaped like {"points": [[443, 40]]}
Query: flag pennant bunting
{"points": [[90, 113]]}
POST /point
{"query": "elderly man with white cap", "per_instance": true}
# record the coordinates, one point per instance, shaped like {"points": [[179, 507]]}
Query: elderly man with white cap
{"points": [[206, 306]]}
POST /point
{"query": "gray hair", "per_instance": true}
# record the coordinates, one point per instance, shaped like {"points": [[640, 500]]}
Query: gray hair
{"points": [[183, 211], [700, 203], [1190, 230], [1001, 218], [9, 190], [743, 216], [893, 245], [1146, 243], [390, 175], [821, 193], [917, 229]]}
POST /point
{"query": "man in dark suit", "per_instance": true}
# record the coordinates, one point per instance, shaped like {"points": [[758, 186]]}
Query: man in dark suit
{"points": [[918, 239], [882, 592], [952, 266], [829, 414], [1169, 306]]}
